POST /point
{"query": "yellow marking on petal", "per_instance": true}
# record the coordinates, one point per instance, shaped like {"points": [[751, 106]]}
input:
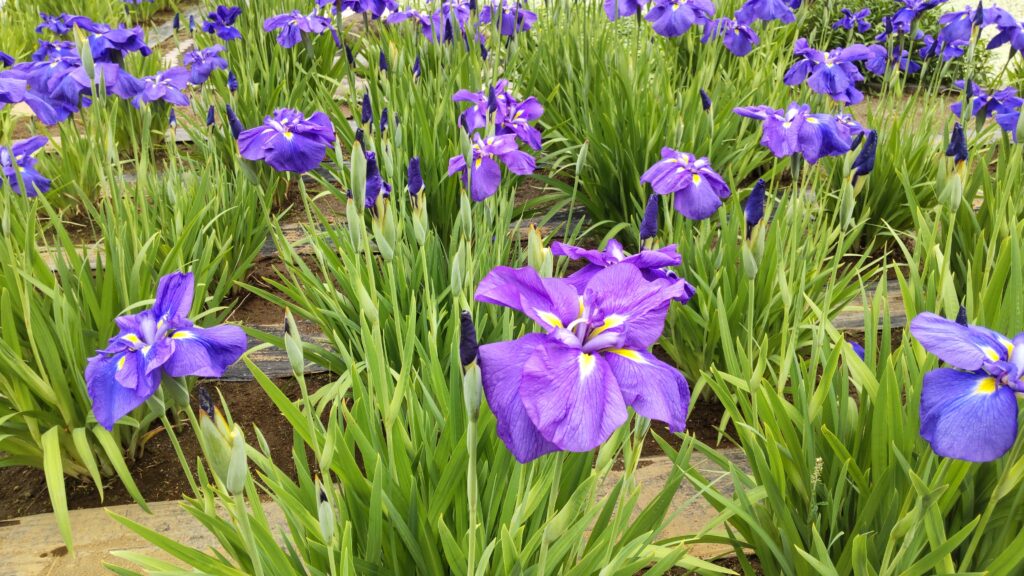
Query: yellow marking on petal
{"points": [[587, 363], [696, 178], [120, 363], [479, 161], [986, 386], [812, 120], [132, 338], [550, 319], [288, 135], [787, 124], [181, 335], [629, 354], [1008, 345], [612, 321], [992, 354], [582, 308]]}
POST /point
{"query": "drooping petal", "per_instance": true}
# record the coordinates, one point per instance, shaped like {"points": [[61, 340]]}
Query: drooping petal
{"points": [[964, 347], [551, 302], [174, 295], [110, 400], [653, 388], [205, 352], [967, 416], [501, 365], [571, 397]]}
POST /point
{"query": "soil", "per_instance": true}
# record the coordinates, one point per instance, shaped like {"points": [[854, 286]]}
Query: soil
{"points": [[157, 472]]}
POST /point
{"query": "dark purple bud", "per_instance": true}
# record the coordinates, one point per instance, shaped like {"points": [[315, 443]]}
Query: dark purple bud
{"points": [[468, 347], [232, 81], [857, 348], [649, 224], [979, 15], [173, 119], [472, 5], [483, 50], [864, 163], [210, 117], [492, 101], [417, 67], [336, 38], [383, 62], [705, 100], [205, 402], [191, 24], [961, 316], [359, 137], [349, 56], [176, 23], [957, 148], [415, 177], [753, 206], [367, 109], [234, 122], [383, 120]]}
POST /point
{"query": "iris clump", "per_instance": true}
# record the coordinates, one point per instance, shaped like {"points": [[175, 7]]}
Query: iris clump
{"points": [[482, 175], [289, 141], [969, 410], [698, 190], [295, 25], [155, 343], [737, 37], [672, 18], [568, 387], [202, 63], [222, 23], [512, 17], [854, 20], [832, 73]]}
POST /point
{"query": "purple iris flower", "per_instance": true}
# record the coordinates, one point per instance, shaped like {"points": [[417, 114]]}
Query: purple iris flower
{"points": [[202, 63], [568, 387], [739, 38], [854, 20], [797, 131], [672, 18], [880, 59], [766, 10], [112, 44], [17, 162], [294, 25], [166, 86], [155, 342], [959, 26], [222, 23], [437, 26], [1009, 117], [514, 18], [698, 189], [14, 88], [483, 174], [616, 9], [969, 411], [652, 264], [1010, 31], [59, 25], [514, 117], [984, 105], [289, 141], [903, 20], [375, 8], [832, 73]]}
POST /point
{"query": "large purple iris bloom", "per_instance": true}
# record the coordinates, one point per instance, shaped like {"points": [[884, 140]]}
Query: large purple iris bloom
{"points": [[18, 162], [222, 23], [14, 89], [59, 25], [165, 86], [437, 26], [738, 38], [984, 104], [616, 9], [375, 8], [903, 20], [674, 17], [158, 341], [288, 141], [969, 411], [832, 73], [510, 115], [766, 10], [568, 388], [202, 63], [483, 174], [698, 189], [514, 17], [797, 131], [112, 44], [653, 264], [1010, 30], [880, 60], [294, 25]]}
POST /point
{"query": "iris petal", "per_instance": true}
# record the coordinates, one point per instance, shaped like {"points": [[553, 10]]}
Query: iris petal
{"points": [[967, 416]]}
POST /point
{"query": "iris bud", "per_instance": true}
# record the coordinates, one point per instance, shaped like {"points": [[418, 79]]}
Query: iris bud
{"points": [[353, 213], [358, 176], [325, 513], [293, 344], [366, 304], [458, 266], [538, 255], [225, 447]]}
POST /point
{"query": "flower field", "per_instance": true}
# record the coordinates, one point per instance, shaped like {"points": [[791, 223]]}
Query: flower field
{"points": [[474, 287]]}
